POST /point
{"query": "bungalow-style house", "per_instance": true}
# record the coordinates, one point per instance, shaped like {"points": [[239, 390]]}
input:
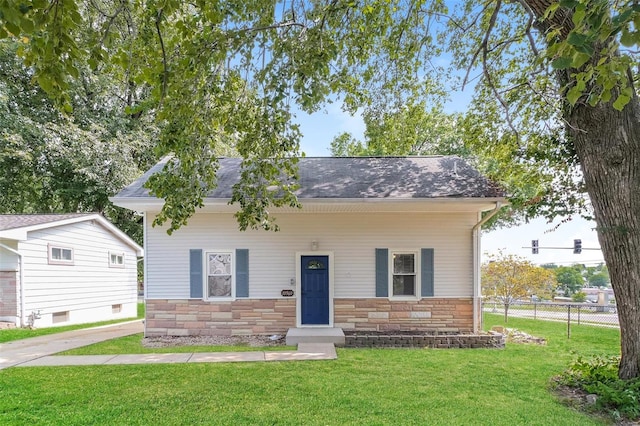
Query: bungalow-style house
{"points": [[379, 244], [62, 269]]}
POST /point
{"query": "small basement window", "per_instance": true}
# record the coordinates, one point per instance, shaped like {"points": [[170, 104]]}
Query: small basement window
{"points": [[116, 260], [58, 317], [116, 309], [60, 255]]}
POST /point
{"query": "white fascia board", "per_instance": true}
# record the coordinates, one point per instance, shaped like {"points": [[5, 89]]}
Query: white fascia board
{"points": [[16, 234], [221, 205]]}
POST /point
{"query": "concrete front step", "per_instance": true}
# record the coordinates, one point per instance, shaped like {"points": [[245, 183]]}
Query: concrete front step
{"points": [[315, 335]]}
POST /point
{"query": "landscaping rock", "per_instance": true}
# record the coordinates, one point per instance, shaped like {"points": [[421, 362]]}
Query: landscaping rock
{"points": [[254, 341]]}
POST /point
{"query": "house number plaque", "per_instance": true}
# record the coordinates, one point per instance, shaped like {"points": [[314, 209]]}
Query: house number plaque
{"points": [[286, 293]]}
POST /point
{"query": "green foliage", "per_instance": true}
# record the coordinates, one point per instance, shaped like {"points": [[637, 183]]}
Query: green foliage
{"points": [[599, 376], [413, 129], [579, 296], [599, 30], [600, 279], [57, 163], [569, 278]]}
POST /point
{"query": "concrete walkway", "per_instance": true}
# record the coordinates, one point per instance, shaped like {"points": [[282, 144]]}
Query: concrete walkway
{"points": [[38, 351]]}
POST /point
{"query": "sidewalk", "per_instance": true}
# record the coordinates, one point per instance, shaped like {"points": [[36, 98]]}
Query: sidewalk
{"points": [[21, 351], [38, 351]]}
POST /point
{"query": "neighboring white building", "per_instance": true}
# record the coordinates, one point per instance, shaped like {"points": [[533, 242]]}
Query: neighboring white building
{"points": [[379, 244], [61, 269]]}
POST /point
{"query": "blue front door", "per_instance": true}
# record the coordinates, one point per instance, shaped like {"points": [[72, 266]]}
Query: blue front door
{"points": [[315, 290]]}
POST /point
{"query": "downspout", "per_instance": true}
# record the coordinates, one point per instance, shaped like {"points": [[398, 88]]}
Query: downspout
{"points": [[475, 235], [144, 270], [21, 279]]}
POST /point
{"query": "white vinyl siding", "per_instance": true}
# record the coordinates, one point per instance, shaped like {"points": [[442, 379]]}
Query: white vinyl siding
{"points": [[88, 288], [352, 237]]}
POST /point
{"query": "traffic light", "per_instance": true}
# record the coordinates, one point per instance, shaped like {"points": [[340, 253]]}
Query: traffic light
{"points": [[534, 246], [577, 246]]}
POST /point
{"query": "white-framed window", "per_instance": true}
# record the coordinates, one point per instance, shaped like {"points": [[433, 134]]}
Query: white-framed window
{"points": [[116, 259], [219, 283], [59, 255], [58, 317], [404, 274]]}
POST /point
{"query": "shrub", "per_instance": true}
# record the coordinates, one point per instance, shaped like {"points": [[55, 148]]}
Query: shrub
{"points": [[599, 376], [579, 297]]}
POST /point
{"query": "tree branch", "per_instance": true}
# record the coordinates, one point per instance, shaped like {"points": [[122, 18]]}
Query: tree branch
{"points": [[485, 69], [165, 72]]}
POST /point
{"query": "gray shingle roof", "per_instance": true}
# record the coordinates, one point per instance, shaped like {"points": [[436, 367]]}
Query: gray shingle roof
{"points": [[13, 221], [361, 177]]}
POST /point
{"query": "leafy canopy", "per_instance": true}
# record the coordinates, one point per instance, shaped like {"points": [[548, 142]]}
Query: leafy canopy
{"points": [[224, 77]]}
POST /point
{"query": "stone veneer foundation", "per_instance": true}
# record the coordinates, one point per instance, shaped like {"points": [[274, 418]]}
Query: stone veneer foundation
{"points": [[429, 314], [9, 292], [276, 316], [199, 318]]}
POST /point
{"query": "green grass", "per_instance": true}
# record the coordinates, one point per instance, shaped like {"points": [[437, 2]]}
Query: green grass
{"points": [[133, 345], [24, 333], [364, 386]]}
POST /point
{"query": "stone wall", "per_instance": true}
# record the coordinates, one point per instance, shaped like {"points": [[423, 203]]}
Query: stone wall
{"points": [[440, 341], [276, 316], [429, 315], [200, 318], [8, 294]]}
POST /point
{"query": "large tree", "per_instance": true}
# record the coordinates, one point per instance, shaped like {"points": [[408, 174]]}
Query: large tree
{"points": [[554, 94], [509, 279], [57, 163]]}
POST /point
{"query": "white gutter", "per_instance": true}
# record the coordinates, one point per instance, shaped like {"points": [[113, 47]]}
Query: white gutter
{"points": [[144, 270], [21, 281], [475, 235]]}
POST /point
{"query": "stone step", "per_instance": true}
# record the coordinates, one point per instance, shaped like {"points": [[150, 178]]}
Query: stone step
{"points": [[333, 335]]}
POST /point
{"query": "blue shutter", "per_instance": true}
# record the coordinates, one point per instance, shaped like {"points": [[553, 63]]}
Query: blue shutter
{"points": [[195, 273], [382, 272], [426, 262], [242, 273]]}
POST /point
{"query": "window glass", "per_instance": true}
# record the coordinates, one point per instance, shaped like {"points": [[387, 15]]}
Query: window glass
{"points": [[116, 259], [315, 264], [404, 274], [60, 255], [219, 275]]}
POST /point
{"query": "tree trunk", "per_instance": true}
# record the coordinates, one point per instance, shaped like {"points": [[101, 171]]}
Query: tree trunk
{"points": [[506, 312], [607, 142]]}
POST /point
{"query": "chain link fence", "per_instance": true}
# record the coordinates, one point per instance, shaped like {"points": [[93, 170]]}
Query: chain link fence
{"points": [[569, 313]]}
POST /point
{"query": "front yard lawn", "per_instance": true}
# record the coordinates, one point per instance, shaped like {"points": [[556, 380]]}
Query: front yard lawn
{"points": [[363, 386]]}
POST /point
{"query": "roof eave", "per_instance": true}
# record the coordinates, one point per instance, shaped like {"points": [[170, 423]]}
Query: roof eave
{"points": [[143, 204], [21, 233]]}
